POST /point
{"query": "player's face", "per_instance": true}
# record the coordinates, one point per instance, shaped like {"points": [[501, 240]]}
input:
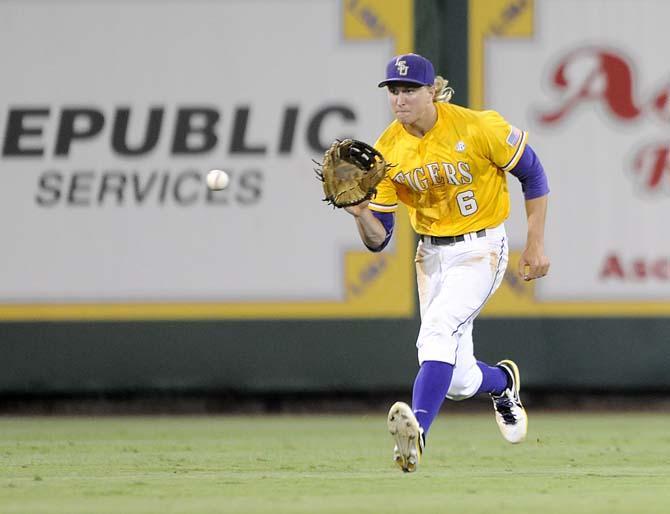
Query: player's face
{"points": [[410, 103]]}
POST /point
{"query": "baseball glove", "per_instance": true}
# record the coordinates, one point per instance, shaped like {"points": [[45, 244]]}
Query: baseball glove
{"points": [[350, 172]]}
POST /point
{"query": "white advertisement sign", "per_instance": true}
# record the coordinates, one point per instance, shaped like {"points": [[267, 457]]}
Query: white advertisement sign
{"points": [[592, 86], [113, 112]]}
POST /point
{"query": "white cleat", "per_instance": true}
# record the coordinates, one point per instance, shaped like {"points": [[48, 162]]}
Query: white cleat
{"points": [[408, 437], [510, 414]]}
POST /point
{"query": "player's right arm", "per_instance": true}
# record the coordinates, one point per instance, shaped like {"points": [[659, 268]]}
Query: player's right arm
{"points": [[372, 231], [375, 220]]}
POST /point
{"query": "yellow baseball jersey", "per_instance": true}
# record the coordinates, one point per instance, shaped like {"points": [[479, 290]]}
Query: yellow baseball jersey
{"points": [[452, 180]]}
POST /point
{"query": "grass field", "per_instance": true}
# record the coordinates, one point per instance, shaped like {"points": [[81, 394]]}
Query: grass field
{"points": [[320, 464]]}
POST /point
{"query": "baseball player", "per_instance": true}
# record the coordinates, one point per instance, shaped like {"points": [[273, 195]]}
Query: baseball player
{"points": [[450, 172]]}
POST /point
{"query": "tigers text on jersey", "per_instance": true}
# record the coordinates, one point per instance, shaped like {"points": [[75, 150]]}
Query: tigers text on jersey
{"points": [[452, 180]]}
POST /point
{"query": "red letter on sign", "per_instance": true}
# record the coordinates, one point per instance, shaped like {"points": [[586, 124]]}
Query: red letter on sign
{"points": [[608, 77], [653, 161], [612, 268]]}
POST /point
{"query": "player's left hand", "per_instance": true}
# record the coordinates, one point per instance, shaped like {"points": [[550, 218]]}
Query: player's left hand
{"points": [[533, 262]]}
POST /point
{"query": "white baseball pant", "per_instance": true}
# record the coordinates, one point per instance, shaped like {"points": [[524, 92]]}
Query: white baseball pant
{"points": [[454, 283]]}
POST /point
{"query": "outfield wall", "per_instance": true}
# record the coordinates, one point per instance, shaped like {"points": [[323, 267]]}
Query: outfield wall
{"points": [[318, 356], [122, 273]]}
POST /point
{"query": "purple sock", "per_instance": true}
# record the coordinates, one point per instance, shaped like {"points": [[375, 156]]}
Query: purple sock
{"points": [[430, 389], [494, 379]]}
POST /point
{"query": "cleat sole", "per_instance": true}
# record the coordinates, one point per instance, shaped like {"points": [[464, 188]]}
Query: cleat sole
{"points": [[404, 428]]}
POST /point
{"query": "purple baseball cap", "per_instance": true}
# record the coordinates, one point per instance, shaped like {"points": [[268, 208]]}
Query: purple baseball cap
{"points": [[412, 68]]}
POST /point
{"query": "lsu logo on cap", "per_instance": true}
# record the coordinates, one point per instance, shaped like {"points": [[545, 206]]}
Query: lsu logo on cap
{"points": [[402, 67], [513, 137]]}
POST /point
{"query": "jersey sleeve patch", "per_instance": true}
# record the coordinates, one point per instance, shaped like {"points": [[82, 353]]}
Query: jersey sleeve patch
{"points": [[514, 136], [521, 142]]}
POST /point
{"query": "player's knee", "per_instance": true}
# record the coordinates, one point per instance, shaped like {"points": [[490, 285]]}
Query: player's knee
{"points": [[462, 387], [457, 397], [431, 349], [458, 394]]}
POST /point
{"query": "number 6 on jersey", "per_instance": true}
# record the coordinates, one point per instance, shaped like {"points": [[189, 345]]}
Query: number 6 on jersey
{"points": [[466, 202]]}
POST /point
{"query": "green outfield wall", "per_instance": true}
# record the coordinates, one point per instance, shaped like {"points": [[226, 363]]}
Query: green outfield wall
{"points": [[319, 356]]}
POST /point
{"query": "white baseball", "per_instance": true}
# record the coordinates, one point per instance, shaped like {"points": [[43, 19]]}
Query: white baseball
{"points": [[217, 179]]}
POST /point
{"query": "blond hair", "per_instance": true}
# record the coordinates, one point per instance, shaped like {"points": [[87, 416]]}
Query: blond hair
{"points": [[443, 92]]}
